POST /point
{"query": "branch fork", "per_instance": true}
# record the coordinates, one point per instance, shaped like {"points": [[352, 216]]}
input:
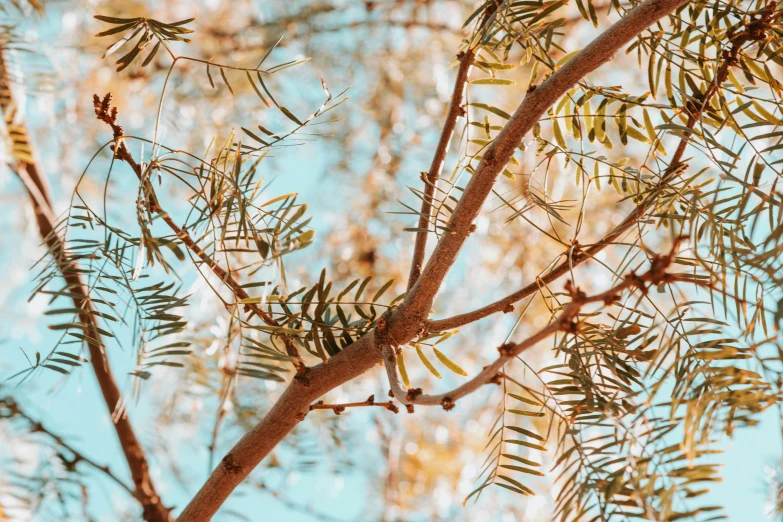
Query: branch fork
{"points": [[411, 317]]}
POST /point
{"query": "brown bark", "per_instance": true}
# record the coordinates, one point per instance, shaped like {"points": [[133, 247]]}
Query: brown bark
{"points": [[35, 184], [431, 177], [566, 321], [419, 300], [145, 493], [729, 60], [287, 412], [410, 319]]}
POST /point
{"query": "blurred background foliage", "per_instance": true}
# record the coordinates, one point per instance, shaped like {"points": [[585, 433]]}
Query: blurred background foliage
{"points": [[394, 57]]}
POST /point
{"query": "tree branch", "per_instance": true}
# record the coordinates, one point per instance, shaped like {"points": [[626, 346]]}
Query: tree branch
{"points": [[431, 178], [407, 321], [288, 411], [108, 114], [566, 321], [418, 301], [756, 31], [37, 427], [339, 408], [36, 186]]}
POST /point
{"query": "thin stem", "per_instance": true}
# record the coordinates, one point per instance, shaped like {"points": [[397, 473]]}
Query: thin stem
{"points": [[225, 396], [103, 111], [430, 178], [567, 321], [38, 427], [339, 408]]}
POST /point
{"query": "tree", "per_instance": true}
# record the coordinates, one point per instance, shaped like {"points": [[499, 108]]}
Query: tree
{"points": [[649, 365]]}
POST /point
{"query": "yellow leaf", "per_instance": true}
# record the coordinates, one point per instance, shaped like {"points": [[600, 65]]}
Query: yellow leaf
{"points": [[280, 198], [448, 363], [403, 372], [558, 134], [427, 363]]}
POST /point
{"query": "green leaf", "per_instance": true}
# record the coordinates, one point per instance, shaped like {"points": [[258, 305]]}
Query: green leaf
{"points": [[361, 288], [382, 290], [493, 110], [118, 29], [525, 399], [280, 198], [526, 413], [258, 92], [546, 12], [254, 136], [522, 470], [526, 444], [113, 20], [494, 66], [525, 432], [510, 488], [290, 115], [56, 368], [520, 459], [225, 80], [523, 488], [209, 76], [150, 56], [559, 135]]}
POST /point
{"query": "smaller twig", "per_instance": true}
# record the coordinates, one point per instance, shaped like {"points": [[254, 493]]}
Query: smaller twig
{"points": [[108, 114], [339, 408], [430, 178], [567, 321], [225, 396], [14, 410]]}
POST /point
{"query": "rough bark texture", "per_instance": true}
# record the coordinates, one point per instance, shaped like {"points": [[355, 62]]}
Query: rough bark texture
{"points": [[410, 318], [536, 103], [287, 412]]}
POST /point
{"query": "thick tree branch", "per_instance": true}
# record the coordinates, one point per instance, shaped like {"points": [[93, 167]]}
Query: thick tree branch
{"points": [[35, 184], [430, 178], [287, 412], [406, 322], [419, 300], [755, 31]]}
